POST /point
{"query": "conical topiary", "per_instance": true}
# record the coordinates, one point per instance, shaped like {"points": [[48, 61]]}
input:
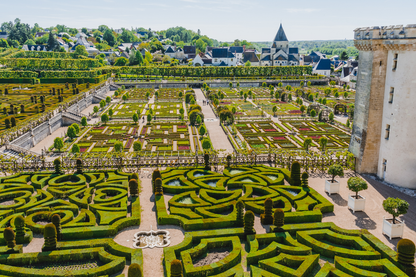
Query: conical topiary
{"points": [[10, 237], [406, 252], [56, 220], [156, 174], [305, 177], [279, 218], [19, 222], [134, 271], [176, 268], [79, 166], [134, 176], [249, 223], [240, 212], [295, 174], [133, 187], [57, 166], [267, 217], [158, 187], [49, 234], [206, 161]]}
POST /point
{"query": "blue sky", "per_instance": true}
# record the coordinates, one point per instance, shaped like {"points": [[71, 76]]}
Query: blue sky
{"points": [[224, 20]]}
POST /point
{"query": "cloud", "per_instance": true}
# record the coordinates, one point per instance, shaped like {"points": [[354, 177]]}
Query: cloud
{"points": [[302, 10]]}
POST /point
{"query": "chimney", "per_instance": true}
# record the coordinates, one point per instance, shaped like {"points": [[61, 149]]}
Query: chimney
{"points": [[244, 48]]}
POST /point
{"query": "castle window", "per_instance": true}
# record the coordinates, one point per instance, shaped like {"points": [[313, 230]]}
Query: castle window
{"points": [[381, 63], [387, 131], [391, 95], [396, 56]]}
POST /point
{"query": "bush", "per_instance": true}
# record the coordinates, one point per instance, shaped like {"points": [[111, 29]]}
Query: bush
{"points": [[133, 187], [156, 174], [75, 149], [295, 174], [10, 237], [137, 146], [57, 166], [206, 144], [176, 268], [335, 170], [134, 270], [240, 212], [49, 234], [305, 178], [267, 217], [406, 252], [158, 187], [79, 166], [279, 218], [19, 223], [206, 161], [395, 207], [356, 184], [56, 220], [134, 176], [249, 223], [118, 146]]}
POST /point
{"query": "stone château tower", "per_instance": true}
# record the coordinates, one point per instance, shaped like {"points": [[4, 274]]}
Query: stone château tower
{"points": [[384, 130]]}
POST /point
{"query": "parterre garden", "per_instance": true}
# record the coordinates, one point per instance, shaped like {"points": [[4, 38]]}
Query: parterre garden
{"points": [[141, 94], [217, 211], [172, 138], [126, 110], [77, 214]]}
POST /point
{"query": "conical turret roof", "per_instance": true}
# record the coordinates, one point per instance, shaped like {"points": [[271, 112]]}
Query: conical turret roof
{"points": [[280, 36]]}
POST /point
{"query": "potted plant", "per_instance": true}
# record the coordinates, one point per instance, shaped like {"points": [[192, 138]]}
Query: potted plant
{"points": [[332, 186], [393, 227], [356, 202]]}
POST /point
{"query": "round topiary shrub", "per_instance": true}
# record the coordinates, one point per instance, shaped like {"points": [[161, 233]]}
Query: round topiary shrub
{"points": [[56, 220], [295, 174], [240, 212], [305, 177], [406, 252], [49, 234], [19, 222], [134, 271], [158, 187], [134, 176], [10, 237], [249, 223], [133, 187], [279, 218], [176, 268], [79, 166]]}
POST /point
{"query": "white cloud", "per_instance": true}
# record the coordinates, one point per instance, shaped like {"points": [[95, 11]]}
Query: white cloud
{"points": [[301, 10]]}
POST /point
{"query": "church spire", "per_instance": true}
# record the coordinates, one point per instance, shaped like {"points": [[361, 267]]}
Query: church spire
{"points": [[280, 36]]}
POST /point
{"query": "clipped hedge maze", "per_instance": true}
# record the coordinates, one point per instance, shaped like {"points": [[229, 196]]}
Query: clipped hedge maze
{"points": [[204, 204]]}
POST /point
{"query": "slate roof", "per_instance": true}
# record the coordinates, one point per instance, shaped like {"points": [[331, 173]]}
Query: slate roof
{"points": [[230, 55], [220, 53], [266, 58], [250, 56], [293, 50], [169, 50], [280, 58], [265, 50], [189, 49], [323, 64], [207, 61], [236, 49], [280, 36], [292, 58], [222, 64]]}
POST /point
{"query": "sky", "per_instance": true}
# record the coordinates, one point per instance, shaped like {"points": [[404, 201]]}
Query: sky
{"points": [[224, 20]]}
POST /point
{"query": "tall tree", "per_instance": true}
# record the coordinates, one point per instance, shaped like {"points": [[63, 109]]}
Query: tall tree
{"points": [[109, 37], [53, 44]]}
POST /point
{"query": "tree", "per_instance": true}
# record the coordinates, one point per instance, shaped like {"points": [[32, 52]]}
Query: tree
{"points": [[137, 146], [4, 44], [345, 95], [110, 112], [71, 133], [124, 97], [84, 121], [58, 143], [108, 99], [274, 109], [109, 37], [335, 170], [76, 127], [306, 143], [202, 130], [302, 109], [80, 52], [53, 44], [75, 149], [344, 56], [149, 118], [331, 117], [356, 184], [118, 146], [248, 63], [323, 141], [121, 61], [139, 58], [206, 144], [395, 207], [104, 118], [198, 120], [313, 113], [135, 118], [245, 96]]}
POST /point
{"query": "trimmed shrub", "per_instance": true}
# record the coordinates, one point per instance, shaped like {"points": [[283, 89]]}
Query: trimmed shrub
{"points": [[406, 252], [356, 184], [335, 170], [56, 220], [158, 187], [134, 176], [79, 166], [249, 223], [279, 218], [206, 160], [176, 268], [295, 174], [240, 212], [133, 187], [229, 158], [57, 166], [19, 222], [267, 217], [395, 207], [49, 234], [156, 174], [134, 270], [305, 177], [10, 237]]}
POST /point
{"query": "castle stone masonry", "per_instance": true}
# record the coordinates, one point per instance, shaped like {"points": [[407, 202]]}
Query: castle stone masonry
{"points": [[384, 130]]}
